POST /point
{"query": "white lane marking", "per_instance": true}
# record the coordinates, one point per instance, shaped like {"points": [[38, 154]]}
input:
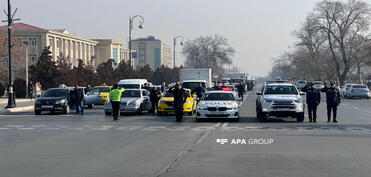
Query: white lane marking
{"points": [[154, 128], [5, 128], [225, 124], [204, 128], [26, 128], [178, 128], [129, 128], [16, 126], [217, 125], [51, 128], [103, 128], [39, 126]]}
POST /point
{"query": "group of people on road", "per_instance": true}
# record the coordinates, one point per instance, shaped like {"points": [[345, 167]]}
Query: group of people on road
{"points": [[34, 90], [314, 99]]}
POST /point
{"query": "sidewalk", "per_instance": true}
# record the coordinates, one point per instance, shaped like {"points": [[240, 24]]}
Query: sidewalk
{"points": [[22, 105]]}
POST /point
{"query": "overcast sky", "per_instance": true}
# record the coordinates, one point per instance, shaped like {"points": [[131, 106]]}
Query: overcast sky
{"points": [[258, 30]]}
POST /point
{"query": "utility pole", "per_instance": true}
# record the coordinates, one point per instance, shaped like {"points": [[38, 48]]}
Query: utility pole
{"points": [[141, 21], [11, 100], [26, 56]]}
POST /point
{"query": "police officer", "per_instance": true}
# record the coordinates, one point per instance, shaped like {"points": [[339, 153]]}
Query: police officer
{"points": [[241, 90], [153, 96], [332, 100], [115, 98], [199, 90], [179, 100], [313, 100]]}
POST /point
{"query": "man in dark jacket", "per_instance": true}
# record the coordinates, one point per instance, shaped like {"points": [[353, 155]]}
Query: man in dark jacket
{"points": [[313, 100], [199, 90], [179, 99], [77, 97], [332, 100], [163, 87], [216, 86], [241, 90], [153, 96]]}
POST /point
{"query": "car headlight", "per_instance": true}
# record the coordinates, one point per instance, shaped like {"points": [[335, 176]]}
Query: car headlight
{"points": [[133, 103], [60, 101], [298, 101], [188, 101], [267, 101]]}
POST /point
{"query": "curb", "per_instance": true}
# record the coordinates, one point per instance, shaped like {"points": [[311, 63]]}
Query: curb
{"points": [[17, 101], [15, 110]]}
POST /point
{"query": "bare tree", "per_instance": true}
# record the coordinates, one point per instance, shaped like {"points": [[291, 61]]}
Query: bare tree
{"points": [[208, 51]]}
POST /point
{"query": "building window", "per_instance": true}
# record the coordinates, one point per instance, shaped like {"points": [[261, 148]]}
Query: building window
{"points": [[58, 43], [115, 54], [32, 41], [5, 61]]}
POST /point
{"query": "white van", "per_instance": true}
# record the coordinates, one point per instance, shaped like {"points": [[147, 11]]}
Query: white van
{"points": [[132, 83]]}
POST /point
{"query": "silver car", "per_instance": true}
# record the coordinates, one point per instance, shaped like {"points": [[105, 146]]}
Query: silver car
{"points": [[92, 98], [357, 91], [132, 101]]}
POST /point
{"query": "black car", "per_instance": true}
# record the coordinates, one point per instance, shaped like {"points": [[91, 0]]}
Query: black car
{"points": [[54, 100]]}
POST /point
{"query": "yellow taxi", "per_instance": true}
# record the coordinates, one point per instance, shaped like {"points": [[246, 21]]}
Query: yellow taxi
{"points": [[166, 103], [103, 92]]}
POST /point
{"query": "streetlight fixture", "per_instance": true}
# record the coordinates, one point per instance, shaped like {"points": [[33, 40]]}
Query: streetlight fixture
{"points": [[181, 43], [26, 56], [141, 21]]}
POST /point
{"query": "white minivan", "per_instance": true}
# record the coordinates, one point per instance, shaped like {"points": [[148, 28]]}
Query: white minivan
{"points": [[132, 83]]}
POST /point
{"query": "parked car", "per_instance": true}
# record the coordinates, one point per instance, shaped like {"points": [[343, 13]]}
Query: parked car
{"points": [[301, 84], [166, 103], [103, 92], [132, 83], [54, 100], [93, 97], [218, 104], [318, 85], [280, 100], [357, 91], [132, 101]]}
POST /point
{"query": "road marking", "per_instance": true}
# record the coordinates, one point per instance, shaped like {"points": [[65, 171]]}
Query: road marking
{"points": [[26, 128], [129, 128], [5, 128], [225, 124], [217, 125], [16, 126]]}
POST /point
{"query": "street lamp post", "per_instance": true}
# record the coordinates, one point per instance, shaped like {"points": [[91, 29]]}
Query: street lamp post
{"points": [[26, 56], [141, 21], [181, 43]]}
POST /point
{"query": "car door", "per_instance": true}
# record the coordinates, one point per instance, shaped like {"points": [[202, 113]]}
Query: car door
{"points": [[93, 97], [146, 102]]}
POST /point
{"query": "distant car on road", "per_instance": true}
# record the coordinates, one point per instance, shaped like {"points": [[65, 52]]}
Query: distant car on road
{"points": [[218, 104], [53, 100], [281, 100], [318, 85], [132, 101], [357, 91], [301, 84]]}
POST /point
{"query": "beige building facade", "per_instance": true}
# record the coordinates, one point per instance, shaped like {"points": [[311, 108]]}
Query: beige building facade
{"points": [[110, 49], [151, 51], [59, 41]]}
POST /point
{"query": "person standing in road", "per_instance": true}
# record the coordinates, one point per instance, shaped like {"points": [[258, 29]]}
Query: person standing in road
{"points": [[241, 90], [30, 90], [78, 98], [199, 90], [154, 98], [179, 100], [332, 100], [115, 99], [146, 87], [313, 100], [216, 86], [163, 87]]}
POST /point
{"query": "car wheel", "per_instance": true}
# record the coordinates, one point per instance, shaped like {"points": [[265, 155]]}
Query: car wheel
{"points": [[300, 117], [140, 110], [37, 112], [66, 110], [198, 120], [190, 113], [90, 105], [107, 113]]}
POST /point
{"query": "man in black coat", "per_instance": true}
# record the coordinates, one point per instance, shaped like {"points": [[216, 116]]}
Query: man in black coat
{"points": [[332, 100], [241, 90], [77, 97], [153, 96], [313, 100], [179, 99], [199, 91]]}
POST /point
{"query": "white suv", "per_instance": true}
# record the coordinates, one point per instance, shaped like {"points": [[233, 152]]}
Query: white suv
{"points": [[281, 100]]}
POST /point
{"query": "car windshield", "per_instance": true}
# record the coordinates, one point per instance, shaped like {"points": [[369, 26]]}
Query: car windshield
{"points": [[192, 85], [94, 92], [56, 93], [359, 86], [281, 89], [103, 89], [131, 93], [218, 96], [130, 86]]}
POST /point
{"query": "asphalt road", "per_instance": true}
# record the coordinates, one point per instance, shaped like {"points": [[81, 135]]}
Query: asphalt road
{"points": [[149, 146]]}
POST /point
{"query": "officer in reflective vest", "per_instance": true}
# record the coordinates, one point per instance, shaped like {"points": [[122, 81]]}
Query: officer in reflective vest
{"points": [[115, 98]]}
